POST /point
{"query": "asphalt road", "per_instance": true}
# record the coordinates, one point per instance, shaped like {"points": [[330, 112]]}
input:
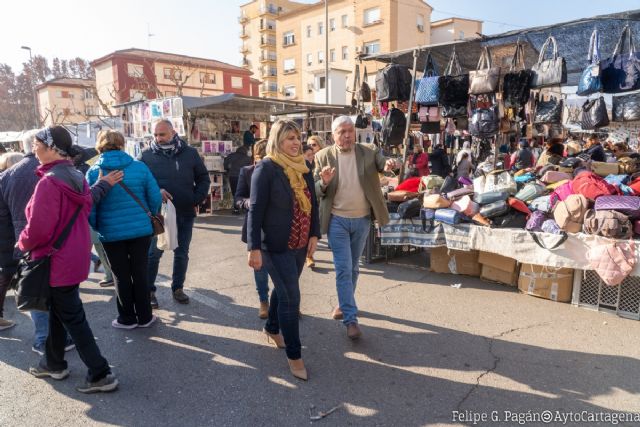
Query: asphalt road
{"points": [[428, 350]]}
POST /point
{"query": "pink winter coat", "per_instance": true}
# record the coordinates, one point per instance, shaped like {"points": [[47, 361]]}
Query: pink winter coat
{"points": [[53, 203]]}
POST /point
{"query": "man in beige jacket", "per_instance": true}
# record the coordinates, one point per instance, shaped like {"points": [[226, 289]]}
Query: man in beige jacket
{"points": [[348, 188]]}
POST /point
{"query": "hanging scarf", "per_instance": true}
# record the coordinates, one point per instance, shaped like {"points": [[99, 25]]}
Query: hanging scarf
{"points": [[294, 168]]}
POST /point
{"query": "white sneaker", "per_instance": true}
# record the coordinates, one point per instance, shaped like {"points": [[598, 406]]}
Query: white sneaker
{"points": [[149, 323], [119, 325], [6, 324]]}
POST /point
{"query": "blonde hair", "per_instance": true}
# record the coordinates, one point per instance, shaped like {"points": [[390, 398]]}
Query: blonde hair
{"points": [[260, 148], [9, 159], [317, 140], [279, 132], [109, 140]]}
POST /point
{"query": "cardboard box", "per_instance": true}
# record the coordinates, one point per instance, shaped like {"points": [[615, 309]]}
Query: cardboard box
{"points": [[499, 262], [494, 274], [555, 284], [451, 261]]}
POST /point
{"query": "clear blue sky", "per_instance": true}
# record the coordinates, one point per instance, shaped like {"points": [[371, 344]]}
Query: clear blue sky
{"points": [[90, 29]]}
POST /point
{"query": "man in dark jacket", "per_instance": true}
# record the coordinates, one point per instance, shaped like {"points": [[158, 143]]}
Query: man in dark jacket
{"points": [[523, 158], [183, 179], [17, 185], [232, 164], [439, 161]]}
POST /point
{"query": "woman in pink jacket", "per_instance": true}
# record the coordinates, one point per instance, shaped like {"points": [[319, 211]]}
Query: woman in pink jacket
{"points": [[61, 197]]}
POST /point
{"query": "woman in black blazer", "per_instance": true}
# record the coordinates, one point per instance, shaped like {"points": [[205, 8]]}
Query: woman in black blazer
{"points": [[283, 228]]}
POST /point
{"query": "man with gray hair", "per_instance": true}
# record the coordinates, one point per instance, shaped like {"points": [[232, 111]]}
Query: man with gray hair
{"points": [[183, 179], [348, 187]]}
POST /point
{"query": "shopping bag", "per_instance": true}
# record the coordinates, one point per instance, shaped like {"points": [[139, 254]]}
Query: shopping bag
{"points": [[168, 241]]}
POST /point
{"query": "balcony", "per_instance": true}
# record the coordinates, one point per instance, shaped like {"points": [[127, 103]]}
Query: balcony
{"points": [[267, 26], [245, 63], [268, 57], [244, 50], [243, 19], [268, 72], [269, 10], [267, 41], [244, 34], [272, 87]]}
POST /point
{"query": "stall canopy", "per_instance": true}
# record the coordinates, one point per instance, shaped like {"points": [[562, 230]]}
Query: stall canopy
{"points": [[572, 38], [230, 104]]}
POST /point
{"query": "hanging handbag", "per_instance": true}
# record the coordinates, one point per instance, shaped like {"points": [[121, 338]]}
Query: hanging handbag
{"points": [[621, 72], [484, 122], [626, 108], [453, 86], [590, 81], [549, 72], [594, 114], [516, 83], [453, 111], [362, 121], [157, 221], [32, 277], [427, 91], [485, 78], [365, 91], [548, 111]]}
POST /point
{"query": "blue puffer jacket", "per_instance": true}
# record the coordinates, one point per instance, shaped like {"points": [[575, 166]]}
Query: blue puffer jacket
{"points": [[118, 216]]}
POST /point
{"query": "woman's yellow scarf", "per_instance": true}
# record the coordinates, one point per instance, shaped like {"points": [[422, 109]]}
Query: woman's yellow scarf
{"points": [[294, 168]]}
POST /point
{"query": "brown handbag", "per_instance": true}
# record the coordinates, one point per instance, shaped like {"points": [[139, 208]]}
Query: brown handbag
{"points": [[401, 195], [157, 221]]}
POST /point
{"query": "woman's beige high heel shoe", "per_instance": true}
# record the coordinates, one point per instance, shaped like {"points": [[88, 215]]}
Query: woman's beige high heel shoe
{"points": [[275, 339], [297, 369]]}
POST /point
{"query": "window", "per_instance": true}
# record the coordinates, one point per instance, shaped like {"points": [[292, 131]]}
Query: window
{"points": [[332, 24], [461, 35], [289, 65], [89, 110], [236, 82], [372, 47], [66, 111], [134, 70], [322, 82], [345, 53], [207, 78], [420, 23], [289, 38], [88, 94], [320, 28], [290, 91], [371, 16], [308, 30], [172, 74], [332, 55], [309, 58], [344, 21], [320, 56], [64, 94]]}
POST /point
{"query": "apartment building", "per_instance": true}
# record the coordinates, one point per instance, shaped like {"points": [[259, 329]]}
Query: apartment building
{"points": [[450, 29], [258, 21], [133, 74], [67, 101]]}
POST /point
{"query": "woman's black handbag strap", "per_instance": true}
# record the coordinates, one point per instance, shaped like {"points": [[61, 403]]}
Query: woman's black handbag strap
{"points": [[540, 243], [67, 229], [134, 197]]}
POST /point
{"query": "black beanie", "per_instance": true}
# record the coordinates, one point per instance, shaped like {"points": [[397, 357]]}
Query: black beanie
{"points": [[61, 138]]}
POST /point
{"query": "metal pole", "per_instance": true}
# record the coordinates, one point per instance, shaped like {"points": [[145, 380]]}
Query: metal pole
{"points": [[406, 129], [326, 52]]}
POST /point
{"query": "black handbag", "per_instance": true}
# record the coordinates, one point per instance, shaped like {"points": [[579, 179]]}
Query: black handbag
{"points": [[626, 108], [32, 277], [516, 84], [484, 122], [548, 111], [621, 72], [393, 83], [365, 91], [549, 72], [453, 86], [594, 114], [362, 121], [454, 111], [157, 220]]}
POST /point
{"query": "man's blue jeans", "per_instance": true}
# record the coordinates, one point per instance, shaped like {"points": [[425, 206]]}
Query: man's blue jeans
{"points": [[180, 255], [347, 238], [41, 323], [262, 283]]}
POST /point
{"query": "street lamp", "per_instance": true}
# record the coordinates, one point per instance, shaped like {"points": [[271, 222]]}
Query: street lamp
{"points": [[33, 87]]}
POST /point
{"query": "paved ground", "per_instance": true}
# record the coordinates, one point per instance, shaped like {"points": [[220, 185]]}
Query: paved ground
{"points": [[428, 350]]}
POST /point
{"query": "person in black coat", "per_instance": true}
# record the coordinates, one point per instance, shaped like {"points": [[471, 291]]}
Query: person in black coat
{"points": [[595, 149], [242, 202], [283, 228], [439, 161], [233, 163]]}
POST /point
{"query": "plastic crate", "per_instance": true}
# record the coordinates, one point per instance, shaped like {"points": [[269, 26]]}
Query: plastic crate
{"points": [[591, 292]]}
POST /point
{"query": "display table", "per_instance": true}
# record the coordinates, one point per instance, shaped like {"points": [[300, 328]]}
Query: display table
{"points": [[514, 243]]}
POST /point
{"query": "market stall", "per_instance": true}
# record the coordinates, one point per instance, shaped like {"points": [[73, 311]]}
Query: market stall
{"points": [[561, 222]]}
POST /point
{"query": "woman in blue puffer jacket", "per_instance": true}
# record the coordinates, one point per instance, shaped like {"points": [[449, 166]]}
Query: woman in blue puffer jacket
{"points": [[125, 228]]}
